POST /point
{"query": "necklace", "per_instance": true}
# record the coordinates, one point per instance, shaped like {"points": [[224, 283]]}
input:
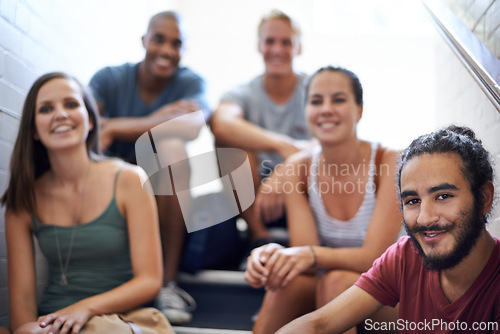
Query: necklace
{"points": [[63, 280]]}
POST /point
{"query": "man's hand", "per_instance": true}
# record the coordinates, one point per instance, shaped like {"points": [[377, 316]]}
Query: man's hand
{"points": [[178, 108], [286, 146], [106, 137], [269, 201]]}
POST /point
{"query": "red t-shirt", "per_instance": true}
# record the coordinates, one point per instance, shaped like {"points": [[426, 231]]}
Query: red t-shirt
{"points": [[400, 276]]}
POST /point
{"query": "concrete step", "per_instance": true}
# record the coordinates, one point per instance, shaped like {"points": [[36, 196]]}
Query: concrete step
{"points": [[226, 303]]}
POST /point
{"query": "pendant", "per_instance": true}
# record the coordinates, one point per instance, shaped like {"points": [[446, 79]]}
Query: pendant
{"points": [[63, 281]]}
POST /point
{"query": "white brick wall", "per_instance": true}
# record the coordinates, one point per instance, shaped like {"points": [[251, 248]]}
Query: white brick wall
{"points": [[38, 36], [461, 101], [481, 17]]}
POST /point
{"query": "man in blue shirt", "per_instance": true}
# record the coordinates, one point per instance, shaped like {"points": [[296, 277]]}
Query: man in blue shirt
{"points": [[133, 98]]}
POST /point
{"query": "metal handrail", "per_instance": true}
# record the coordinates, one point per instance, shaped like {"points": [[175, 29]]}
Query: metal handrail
{"points": [[475, 56]]}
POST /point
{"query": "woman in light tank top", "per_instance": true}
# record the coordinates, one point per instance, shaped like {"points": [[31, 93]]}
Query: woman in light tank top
{"points": [[95, 225], [341, 206]]}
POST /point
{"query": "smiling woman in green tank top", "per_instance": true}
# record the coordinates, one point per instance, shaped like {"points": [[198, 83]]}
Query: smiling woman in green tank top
{"points": [[95, 225]]}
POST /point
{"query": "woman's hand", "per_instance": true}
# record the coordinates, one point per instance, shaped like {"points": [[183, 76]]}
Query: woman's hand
{"points": [[286, 264], [256, 273], [67, 320]]}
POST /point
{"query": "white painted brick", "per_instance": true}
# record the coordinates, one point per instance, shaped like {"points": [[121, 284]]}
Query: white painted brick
{"points": [[59, 14], [10, 38], [461, 101], [461, 8], [50, 64], [494, 227], [479, 29], [11, 99], [23, 17], [476, 11], [491, 17], [67, 24], [2, 62], [37, 29], [42, 9], [5, 153], [4, 180], [8, 128], [34, 54], [493, 42], [55, 42], [17, 72], [8, 9]]}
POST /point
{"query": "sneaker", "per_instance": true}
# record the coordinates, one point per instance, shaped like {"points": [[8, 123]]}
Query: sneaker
{"points": [[176, 304]]}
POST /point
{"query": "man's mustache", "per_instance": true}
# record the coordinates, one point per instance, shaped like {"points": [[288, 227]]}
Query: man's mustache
{"points": [[432, 228]]}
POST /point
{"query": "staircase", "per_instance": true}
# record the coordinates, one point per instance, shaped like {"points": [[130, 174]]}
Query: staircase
{"points": [[226, 303]]}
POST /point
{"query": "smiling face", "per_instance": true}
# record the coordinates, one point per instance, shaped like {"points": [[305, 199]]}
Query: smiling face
{"points": [[439, 210], [331, 110], [163, 44], [61, 118], [278, 44]]}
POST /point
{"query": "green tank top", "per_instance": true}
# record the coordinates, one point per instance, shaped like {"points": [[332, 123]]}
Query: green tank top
{"points": [[99, 261]]}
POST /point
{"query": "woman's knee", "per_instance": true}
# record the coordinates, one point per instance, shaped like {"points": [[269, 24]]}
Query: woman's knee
{"points": [[30, 328], [279, 296], [333, 283], [283, 305], [299, 293]]}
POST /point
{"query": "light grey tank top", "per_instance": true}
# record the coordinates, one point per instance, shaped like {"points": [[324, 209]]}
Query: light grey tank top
{"points": [[338, 233]]}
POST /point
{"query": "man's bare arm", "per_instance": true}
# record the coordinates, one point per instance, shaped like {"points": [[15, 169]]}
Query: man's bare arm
{"points": [[344, 312], [131, 128], [231, 129]]}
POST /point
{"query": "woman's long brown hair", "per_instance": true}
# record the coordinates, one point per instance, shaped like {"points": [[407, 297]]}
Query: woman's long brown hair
{"points": [[29, 158]]}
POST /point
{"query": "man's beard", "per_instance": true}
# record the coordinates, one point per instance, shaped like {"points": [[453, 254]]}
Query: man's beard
{"points": [[469, 231]]}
